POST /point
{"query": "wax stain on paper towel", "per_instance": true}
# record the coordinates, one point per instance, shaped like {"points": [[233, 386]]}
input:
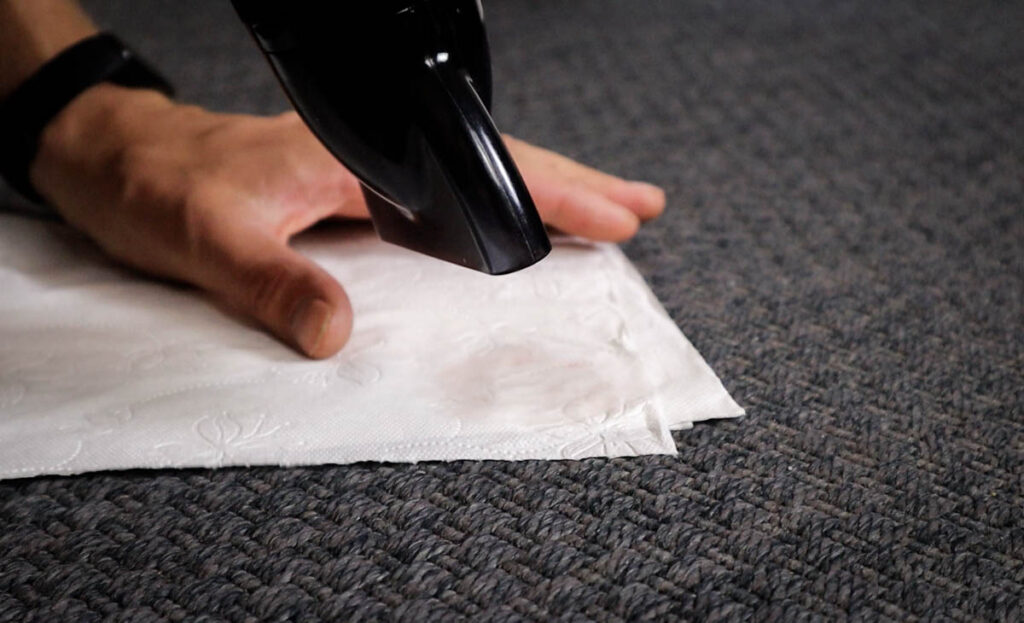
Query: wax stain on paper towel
{"points": [[571, 358]]}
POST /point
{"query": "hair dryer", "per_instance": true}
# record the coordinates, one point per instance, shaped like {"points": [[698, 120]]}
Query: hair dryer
{"points": [[399, 91]]}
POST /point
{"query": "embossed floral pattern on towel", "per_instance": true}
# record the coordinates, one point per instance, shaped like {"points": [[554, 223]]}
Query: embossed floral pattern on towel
{"points": [[100, 369]]}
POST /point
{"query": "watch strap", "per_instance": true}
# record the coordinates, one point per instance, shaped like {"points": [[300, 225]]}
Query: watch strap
{"points": [[25, 113]]}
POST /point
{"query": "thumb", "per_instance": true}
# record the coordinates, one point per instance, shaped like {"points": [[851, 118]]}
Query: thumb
{"points": [[287, 293]]}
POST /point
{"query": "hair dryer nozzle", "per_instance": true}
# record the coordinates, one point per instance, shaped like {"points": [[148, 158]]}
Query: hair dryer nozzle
{"points": [[398, 90]]}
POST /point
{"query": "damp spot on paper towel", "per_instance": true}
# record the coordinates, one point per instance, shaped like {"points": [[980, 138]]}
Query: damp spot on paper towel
{"points": [[512, 379]]}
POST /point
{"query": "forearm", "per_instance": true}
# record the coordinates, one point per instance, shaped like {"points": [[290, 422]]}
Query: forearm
{"points": [[34, 31]]}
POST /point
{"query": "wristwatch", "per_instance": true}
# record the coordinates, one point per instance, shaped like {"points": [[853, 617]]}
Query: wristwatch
{"points": [[26, 112]]}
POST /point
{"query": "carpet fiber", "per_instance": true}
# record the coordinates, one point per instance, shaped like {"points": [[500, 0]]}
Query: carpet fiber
{"points": [[844, 244]]}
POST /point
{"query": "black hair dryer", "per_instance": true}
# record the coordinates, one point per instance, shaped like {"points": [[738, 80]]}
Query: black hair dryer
{"points": [[399, 91]]}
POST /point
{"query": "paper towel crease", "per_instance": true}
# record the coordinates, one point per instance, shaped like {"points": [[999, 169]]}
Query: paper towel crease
{"points": [[572, 358]]}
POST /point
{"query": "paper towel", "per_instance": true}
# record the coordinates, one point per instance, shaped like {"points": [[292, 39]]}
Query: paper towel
{"points": [[104, 369]]}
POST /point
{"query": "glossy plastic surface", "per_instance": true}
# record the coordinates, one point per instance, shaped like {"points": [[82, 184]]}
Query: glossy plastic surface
{"points": [[399, 91]]}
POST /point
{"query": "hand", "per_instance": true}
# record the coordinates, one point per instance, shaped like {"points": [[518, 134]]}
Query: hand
{"points": [[212, 200]]}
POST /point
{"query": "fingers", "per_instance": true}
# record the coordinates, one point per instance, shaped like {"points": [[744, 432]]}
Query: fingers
{"points": [[291, 296], [646, 201], [326, 182], [580, 211]]}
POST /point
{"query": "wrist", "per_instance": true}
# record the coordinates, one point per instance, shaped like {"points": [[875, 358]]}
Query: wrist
{"points": [[86, 140], [28, 112]]}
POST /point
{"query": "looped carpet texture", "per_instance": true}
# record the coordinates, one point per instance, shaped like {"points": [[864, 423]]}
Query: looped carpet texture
{"points": [[845, 245]]}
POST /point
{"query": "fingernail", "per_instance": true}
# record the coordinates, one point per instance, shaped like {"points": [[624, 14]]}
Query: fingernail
{"points": [[309, 323]]}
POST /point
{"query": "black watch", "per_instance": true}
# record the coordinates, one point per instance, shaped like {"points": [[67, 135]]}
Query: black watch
{"points": [[26, 112]]}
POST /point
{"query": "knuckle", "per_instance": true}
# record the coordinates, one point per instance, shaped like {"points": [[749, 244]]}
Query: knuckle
{"points": [[266, 287]]}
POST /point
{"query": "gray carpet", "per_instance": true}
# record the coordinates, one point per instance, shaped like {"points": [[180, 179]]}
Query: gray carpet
{"points": [[845, 245]]}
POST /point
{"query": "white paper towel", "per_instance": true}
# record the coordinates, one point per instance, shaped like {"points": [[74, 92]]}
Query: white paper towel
{"points": [[572, 358]]}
